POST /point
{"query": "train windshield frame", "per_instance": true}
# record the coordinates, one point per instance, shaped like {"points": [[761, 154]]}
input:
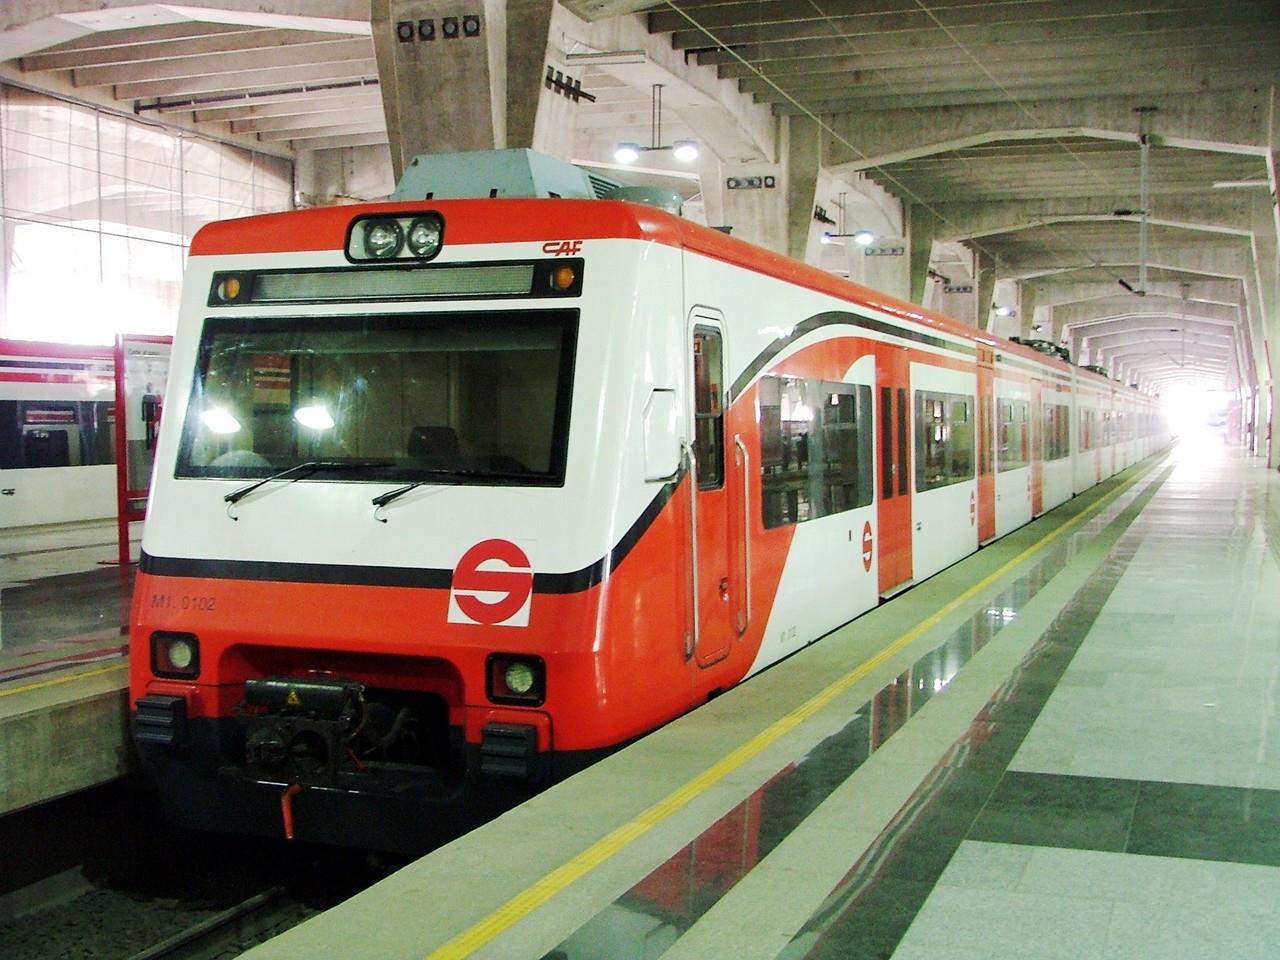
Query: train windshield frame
{"points": [[476, 397]]}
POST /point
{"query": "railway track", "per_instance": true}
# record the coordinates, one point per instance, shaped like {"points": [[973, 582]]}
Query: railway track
{"points": [[231, 932]]}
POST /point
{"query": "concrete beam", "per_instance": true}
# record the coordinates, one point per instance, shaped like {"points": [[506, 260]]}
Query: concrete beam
{"points": [[284, 107], [284, 77], [1054, 293], [965, 221], [330, 50], [1230, 258], [1142, 308], [1231, 122], [39, 24], [605, 9], [265, 126]]}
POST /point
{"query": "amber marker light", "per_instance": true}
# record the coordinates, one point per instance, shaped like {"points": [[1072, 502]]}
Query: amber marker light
{"points": [[562, 278], [228, 289]]}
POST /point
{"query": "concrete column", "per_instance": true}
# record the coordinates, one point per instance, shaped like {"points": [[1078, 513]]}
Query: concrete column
{"points": [[1027, 313], [435, 64], [1006, 294], [921, 228], [1266, 252], [985, 268], [802, 149]]}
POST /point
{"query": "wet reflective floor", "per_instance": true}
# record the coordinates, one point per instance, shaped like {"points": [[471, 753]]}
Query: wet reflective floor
{"points": [[63, 598], [1135, 740]]}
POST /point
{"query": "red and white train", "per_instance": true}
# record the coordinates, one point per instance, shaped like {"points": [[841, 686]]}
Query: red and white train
{"points": [[57, 433], [455, 496]]}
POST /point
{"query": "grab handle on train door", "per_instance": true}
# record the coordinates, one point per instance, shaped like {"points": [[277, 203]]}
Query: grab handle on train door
{"points": [[746, 531], [691, 466]]}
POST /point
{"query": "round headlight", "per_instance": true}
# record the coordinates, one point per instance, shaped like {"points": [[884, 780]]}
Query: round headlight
{"points": [[519, 677], [383, 239], [424, 236], [180, 654]]}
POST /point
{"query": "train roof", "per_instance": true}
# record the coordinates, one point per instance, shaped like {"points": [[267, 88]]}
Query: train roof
{"points": [[516, 220]]}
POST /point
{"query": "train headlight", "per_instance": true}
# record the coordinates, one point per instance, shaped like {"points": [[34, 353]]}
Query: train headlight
{"points": [[519, 677], [516, 679], [383, 238], [404, 239], [175, 655], [424, 236]]}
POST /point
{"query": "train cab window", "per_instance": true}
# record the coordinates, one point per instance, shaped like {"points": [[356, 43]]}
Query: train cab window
{"points": [[816, 449], [473, 398], [944, 439], [708, 412], [1013, 434]]}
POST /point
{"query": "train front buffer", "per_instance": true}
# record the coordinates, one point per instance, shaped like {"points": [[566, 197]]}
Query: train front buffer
{"points": [[356, 738]]}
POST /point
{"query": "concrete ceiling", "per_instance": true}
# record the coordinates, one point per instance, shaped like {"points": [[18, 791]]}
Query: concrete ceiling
{"points": [[1012, 127]]}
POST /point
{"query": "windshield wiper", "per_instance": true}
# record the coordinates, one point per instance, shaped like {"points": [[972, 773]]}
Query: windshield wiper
{"points": [[382, 499], [304, 469]]}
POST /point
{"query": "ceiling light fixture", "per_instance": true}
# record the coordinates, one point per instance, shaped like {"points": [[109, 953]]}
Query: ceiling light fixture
{"points": [[862, 238], [685, 151]]}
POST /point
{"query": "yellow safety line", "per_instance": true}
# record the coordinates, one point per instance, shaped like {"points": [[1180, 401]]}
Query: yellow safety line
{"points": [[11, 691], [524, 903]]}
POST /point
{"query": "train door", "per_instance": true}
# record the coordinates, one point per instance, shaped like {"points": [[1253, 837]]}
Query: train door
{"points": [[893, 405], [986, 449], [712, 522]]}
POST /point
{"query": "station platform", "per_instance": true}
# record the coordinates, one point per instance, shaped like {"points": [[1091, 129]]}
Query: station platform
{"points": [[63, 674], [1065, 746]]}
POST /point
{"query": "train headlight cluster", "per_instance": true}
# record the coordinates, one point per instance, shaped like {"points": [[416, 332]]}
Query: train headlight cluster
{"points": [[415, 237], [515, 678], [382, 239], [175, 655]]}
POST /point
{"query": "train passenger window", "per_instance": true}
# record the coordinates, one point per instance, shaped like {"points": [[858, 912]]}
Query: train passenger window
{"points": [[816, 449], [708, 407], [56, 433], [476, 398], [1057, 431], [1087, 436], [944, 439], [1014, 433]]}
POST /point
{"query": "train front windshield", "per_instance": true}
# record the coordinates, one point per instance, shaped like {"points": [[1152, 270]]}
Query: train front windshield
{"points": [[479, 397]]}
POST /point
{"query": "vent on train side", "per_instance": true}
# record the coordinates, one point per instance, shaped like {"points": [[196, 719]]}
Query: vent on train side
{"points": [[602, 185]]}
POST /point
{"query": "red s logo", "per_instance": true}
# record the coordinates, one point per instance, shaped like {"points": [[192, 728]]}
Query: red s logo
{"points": [[492, 585]]}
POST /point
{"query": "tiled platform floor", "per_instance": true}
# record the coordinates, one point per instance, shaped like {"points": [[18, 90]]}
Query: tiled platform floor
{"points": [[1081, 763]]}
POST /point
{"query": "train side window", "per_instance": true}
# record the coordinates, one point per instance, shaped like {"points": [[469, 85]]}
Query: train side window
{"points": [[944, 439], [786, 422], [886, 441], [816, 449], [708, 393], [845, 446], [1012, 417], [1057, 435]]}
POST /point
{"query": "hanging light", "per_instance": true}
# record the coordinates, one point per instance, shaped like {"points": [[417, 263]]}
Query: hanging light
{"points": [[685, 151]]}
